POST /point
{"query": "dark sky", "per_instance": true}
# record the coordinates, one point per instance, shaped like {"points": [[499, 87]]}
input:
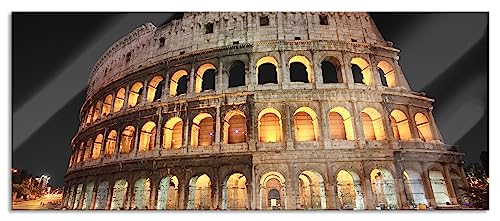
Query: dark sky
{"points": [[442, 54]]}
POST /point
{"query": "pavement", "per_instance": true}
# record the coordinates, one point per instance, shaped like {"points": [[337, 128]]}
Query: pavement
{"points": [[37, 204]]}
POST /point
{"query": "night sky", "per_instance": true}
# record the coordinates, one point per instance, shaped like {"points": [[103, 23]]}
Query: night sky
{"points": [[444, 55]]}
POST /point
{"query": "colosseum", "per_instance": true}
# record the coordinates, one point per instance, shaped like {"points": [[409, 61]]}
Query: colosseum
{"points": [[258, 110]]}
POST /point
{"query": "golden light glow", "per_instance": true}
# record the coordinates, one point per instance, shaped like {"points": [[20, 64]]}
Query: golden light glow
{"points": [[400, 124], [106, 107], [270, 125], [389, 73], [97, 111], [173, 81], [172, 133], [110, 143], [236, 192], [373, 126], [423, 127], [148, 135], [134, 96], [127, 139], [341, 126], [89, 115], [202, 131], [202, 192], [306, 124], [311, 190], [88, 150], [305, 62], [234, 128], [267, 59], [153, 86], [199, 76], [119, 100], [365, 69], [97, 147]]}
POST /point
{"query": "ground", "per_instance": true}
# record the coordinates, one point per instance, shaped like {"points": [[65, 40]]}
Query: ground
{"points": [[36, 204]]}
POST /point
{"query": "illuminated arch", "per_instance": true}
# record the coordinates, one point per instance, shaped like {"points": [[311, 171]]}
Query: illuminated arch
{"points": [[272, 191], [400, 125], [101, 195], [119, 194], [312, 190], [96, 151], [270, 125], [88, 150], [388, 73], [127, 139], [439, 189], [266, 60], [97, 111], [142, 193], [364, 67], [78, 194], [423, 127], [303, 60], [413, 184], [341, 125], [87, 197], [200, 76], [106, 107], [331, 70], [89, 115], [202, 130], [168, 193], [110, 143], [174, 81], [234, 128], [373, 126], [306, 124], [119, 100], [349, 190], [135, 94], [173, 133], [147, 137], [200, 192], [81, 152], [155, 89], [234, 192], [383, 188]]}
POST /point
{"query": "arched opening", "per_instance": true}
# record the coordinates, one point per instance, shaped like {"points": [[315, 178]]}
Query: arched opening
{"points": [[127, 139], [439, 188], [89, 115], [110, 144], [414, 188], [306, 124], [383, 188], [300, 69], [96, 151], [81, 152], [340, 122], [97, 111], [237, 74], [88, 150], [400, 125], [168, 193], [387, 74], [173, 133], [330, 70], [361, 71], [458, 184], [235, 127], [87, 197], [178, 83], [270, 125], [200, 193], [155, 89], [106, 107], [272, 191], [349, 190], [234, 195], [119, 193], [423, 127], [312, 190], [142, 193], [373, 126], [69, 203], [205, 78], [267, 70], [135, 94], [202, 130], [148, 136], [119, 100], [101, 195], [78, 194]]}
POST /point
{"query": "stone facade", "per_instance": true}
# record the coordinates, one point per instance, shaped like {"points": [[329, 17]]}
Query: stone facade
{"points": [[391, 148]]}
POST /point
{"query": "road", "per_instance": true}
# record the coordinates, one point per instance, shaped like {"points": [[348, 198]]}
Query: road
{"points": [[36, 204]]}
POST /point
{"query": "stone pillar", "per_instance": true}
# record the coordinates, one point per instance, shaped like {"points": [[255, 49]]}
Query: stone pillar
{"points": [[376, 81], [428, 188], [153, 193], [125, 102], [136, 140], [217, 128], [166, 90], [386, 120], [94, 195], [216, 190], [187, 133], [219, 77], [284, 76], [159, 124], [112, 105], [109, 196], [324, 125], [117, 144], [293, 197], [412, 124], [192, 81], [129, 195], [289, 133], [347, 71], [183, 187], [449, 186], [436, 135], [103, 144], [358, 125], [145, 88]]}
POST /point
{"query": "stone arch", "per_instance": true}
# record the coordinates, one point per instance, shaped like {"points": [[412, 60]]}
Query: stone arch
{"points": [[97, 111], [81, 151], [383, 188], [400, 125], [101, 195], [173, 133], [237, 74], [110, 143], [423, 127], [439, 189], [373, 126], [387, 74], [119, 100], [119, 194], [78, 194], [168, 193], [235, 127], [414, 188], [178, 83], [200, 192], [205, 78], [106, 107], [96, 150], [312, 190], [349, 189], [270, 125], [127, 139], [202, 130], [87, 197], [306, 124], [142, 193], [300, 69], [234, 192], [267, 70], [147, 136], [341, 124], [272, 191], [89, 115], [361, 71], [135, 94], [331, 70], [155, 88], [88, 150]]}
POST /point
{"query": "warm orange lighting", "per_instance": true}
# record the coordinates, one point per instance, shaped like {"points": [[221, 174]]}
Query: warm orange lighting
{"points": [[148, 135], [135, 94], [199, 76], [400, 125], [152, 87], [97, 147], [389, 74], [119, 100], [365, 69], [173, 81], [270, 125], [423, 126], [172, 133], [267, 59], [373, 126], [306, 124], [305, 62]]}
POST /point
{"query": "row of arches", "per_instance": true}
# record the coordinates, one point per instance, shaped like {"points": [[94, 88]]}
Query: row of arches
{"points": [[270, 124]]}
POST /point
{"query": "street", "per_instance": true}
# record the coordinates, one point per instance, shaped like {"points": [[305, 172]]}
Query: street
{"points": [[36, 204]]}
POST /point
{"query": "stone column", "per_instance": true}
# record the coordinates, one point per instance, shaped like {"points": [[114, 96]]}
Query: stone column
{"points": [[324, 125], [219, 77], [129, 195], [125, 102], [412, 124], [109, 196], [136, 140], [94, 195], [145, 89], [358, 125], [117, 144], [217, 128], [187, 122], [436, 135], [159, 124], [449, 186], [376, 81], [216, 190], [103, 144], [284, 76], [192, 81], [428, 188], [289, 133], [166, 90], [386, 120], [347, 71], [112, 105], [293, 197], [153, 193]]}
